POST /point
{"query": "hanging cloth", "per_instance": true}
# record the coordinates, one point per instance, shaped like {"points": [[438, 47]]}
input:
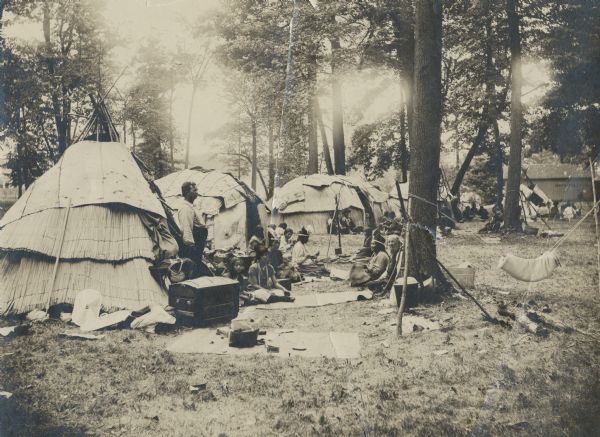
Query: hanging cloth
{"points": [[530, 270]]}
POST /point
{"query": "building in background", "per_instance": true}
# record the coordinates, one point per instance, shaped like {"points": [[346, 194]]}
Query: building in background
{"points": [[560, 182]]}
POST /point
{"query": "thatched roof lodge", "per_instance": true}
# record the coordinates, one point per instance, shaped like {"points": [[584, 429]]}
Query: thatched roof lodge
{"points": [[112, 226]]}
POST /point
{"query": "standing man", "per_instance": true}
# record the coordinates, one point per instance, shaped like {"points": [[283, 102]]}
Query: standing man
{"points": [[194, 232]]}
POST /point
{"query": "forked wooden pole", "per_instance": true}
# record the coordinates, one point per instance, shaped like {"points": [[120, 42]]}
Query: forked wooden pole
{"points": [[596, 217], [405, 274], [50, 286]]}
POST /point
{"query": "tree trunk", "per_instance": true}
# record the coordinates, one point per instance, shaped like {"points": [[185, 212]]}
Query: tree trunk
{"points": [[470, 155], [271, 187], [403, 150], [133, 136], [425, 140], [313, 142], [499, 158], [339, 146], [325, 143], [511, 206], [56, 106], [171, 128], [254, 158], [189, 125], [3, 110]]}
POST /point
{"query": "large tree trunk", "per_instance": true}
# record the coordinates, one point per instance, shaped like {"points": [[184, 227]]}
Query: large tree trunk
{"points": [[511, 206], [425, 140], [499, 160], [189, 125], [254, 154], [313, 142], [325, 143], [339, 145]]}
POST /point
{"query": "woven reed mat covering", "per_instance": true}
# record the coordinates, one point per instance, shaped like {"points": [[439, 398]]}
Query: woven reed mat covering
{"points": [[319, 300], [125, 285], [343, 345], [105, 233], [89, 173]]}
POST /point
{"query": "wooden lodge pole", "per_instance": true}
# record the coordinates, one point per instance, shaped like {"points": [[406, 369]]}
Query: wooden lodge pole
{"points": [[596, 217], [50, 286]]}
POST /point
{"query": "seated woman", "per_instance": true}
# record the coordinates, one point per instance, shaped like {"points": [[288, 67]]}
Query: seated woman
{"points": [[380, 259], [261, 275], [361, 274], [382, 286]]}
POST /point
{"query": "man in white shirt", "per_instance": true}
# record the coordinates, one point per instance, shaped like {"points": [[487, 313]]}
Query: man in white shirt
{"points": [[193, 231]]}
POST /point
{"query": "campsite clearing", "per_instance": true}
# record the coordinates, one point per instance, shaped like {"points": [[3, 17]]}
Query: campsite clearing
{"points": [[467, 377]]}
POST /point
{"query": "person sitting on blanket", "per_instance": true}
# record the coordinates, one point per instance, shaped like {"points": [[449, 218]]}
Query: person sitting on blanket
{"points": [[381, 287], [380, 259], [262, 274], [300, 254]]}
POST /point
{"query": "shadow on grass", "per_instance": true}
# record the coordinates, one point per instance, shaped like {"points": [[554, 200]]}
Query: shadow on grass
{"points": [[17, 419]]}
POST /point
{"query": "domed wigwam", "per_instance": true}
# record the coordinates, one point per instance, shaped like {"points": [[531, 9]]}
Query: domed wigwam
{"points": [[91, 221]]}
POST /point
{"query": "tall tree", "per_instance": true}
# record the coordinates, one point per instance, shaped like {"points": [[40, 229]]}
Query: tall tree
{"points": [[45, 84], [427, 118], [511, 206]]}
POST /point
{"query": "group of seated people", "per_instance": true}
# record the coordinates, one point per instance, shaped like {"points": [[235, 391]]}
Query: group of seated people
{"points": [[342, 223], [471, 211]]}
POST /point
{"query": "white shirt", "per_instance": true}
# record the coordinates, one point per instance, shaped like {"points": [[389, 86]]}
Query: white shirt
{"points": [[188, 219]]}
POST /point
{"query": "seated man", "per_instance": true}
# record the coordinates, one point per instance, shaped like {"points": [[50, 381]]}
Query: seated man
{"points": [[300, 254], [194, 233]]}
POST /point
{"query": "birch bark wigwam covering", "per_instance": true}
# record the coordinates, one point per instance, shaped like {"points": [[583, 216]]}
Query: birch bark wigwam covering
{"points": [[108, 243], [311, 200], [232, 210]]}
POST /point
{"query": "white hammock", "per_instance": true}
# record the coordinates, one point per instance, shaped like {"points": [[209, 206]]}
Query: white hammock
{"points": [[530, 270]]}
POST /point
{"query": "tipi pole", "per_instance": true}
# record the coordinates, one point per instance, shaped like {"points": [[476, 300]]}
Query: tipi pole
{"points": [[50, 286], [405, 275], [596, 217]]}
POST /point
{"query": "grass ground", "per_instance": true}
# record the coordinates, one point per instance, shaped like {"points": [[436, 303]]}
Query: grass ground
{"points": [[467, 378]]}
